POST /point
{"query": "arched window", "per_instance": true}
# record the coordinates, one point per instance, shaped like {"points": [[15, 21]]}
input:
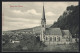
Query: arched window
{"points": [[54, 38], [58, 38], [50, 38]]}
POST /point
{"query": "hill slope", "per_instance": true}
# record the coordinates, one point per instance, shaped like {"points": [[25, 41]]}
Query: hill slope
{"points": [[69, 20]]}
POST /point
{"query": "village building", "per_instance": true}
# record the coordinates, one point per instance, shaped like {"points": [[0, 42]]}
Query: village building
{"points": [[51, 36]]}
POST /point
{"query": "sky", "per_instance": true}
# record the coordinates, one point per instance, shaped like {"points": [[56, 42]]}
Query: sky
{"points": [[20, 15]]}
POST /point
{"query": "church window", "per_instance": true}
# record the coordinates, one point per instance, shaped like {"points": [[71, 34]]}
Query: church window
{"points": [[54, 38], [59, 38], [50, 38]]}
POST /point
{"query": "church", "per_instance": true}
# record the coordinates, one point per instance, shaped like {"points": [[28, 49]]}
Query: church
{"points": [[50, 36]]}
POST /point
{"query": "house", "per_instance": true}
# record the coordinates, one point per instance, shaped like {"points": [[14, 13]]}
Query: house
{"points": [[14, 40]]}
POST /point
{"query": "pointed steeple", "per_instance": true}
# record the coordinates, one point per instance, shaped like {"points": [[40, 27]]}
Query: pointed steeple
{"points": [[43, 19], [43, 16], [43, 25]]}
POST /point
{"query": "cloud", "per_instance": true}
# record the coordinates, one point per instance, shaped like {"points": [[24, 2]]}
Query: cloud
{"points": [[28, 12], [16, 20], [18, 23], [49, 21], [31, 13], [17, 12], [50, 14], [73, 3]]}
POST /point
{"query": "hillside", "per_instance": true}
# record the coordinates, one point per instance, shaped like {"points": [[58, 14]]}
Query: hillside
{"points": [[36, 29], [69, 20]]}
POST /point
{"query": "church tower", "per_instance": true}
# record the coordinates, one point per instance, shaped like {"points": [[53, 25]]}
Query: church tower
{"points": [[43, 25]]}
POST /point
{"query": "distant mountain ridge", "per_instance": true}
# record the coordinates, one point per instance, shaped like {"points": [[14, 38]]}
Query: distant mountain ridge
{"points": [[36, 29]]}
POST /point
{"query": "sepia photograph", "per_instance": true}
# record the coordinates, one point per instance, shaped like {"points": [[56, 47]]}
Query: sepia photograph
{"points": [[40, 26]]}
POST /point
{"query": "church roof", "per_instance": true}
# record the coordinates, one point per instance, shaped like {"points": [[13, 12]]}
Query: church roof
{"points": [[53, 31], [66, 32]]}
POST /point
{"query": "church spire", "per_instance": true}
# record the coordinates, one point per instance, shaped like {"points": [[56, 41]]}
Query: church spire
{"points": [[43, 25], [43, 18]]}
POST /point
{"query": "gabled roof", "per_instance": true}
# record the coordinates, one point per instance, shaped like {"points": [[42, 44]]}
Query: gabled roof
{"points": [[53, 31], [66, 32]]}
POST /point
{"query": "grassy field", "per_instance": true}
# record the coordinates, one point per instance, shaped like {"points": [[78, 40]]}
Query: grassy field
{"points": [[63, 48], [50, 48]]}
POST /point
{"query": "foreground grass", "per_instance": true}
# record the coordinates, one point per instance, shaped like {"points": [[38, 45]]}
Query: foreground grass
{"points": [[39, 48], [63, 48]]}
